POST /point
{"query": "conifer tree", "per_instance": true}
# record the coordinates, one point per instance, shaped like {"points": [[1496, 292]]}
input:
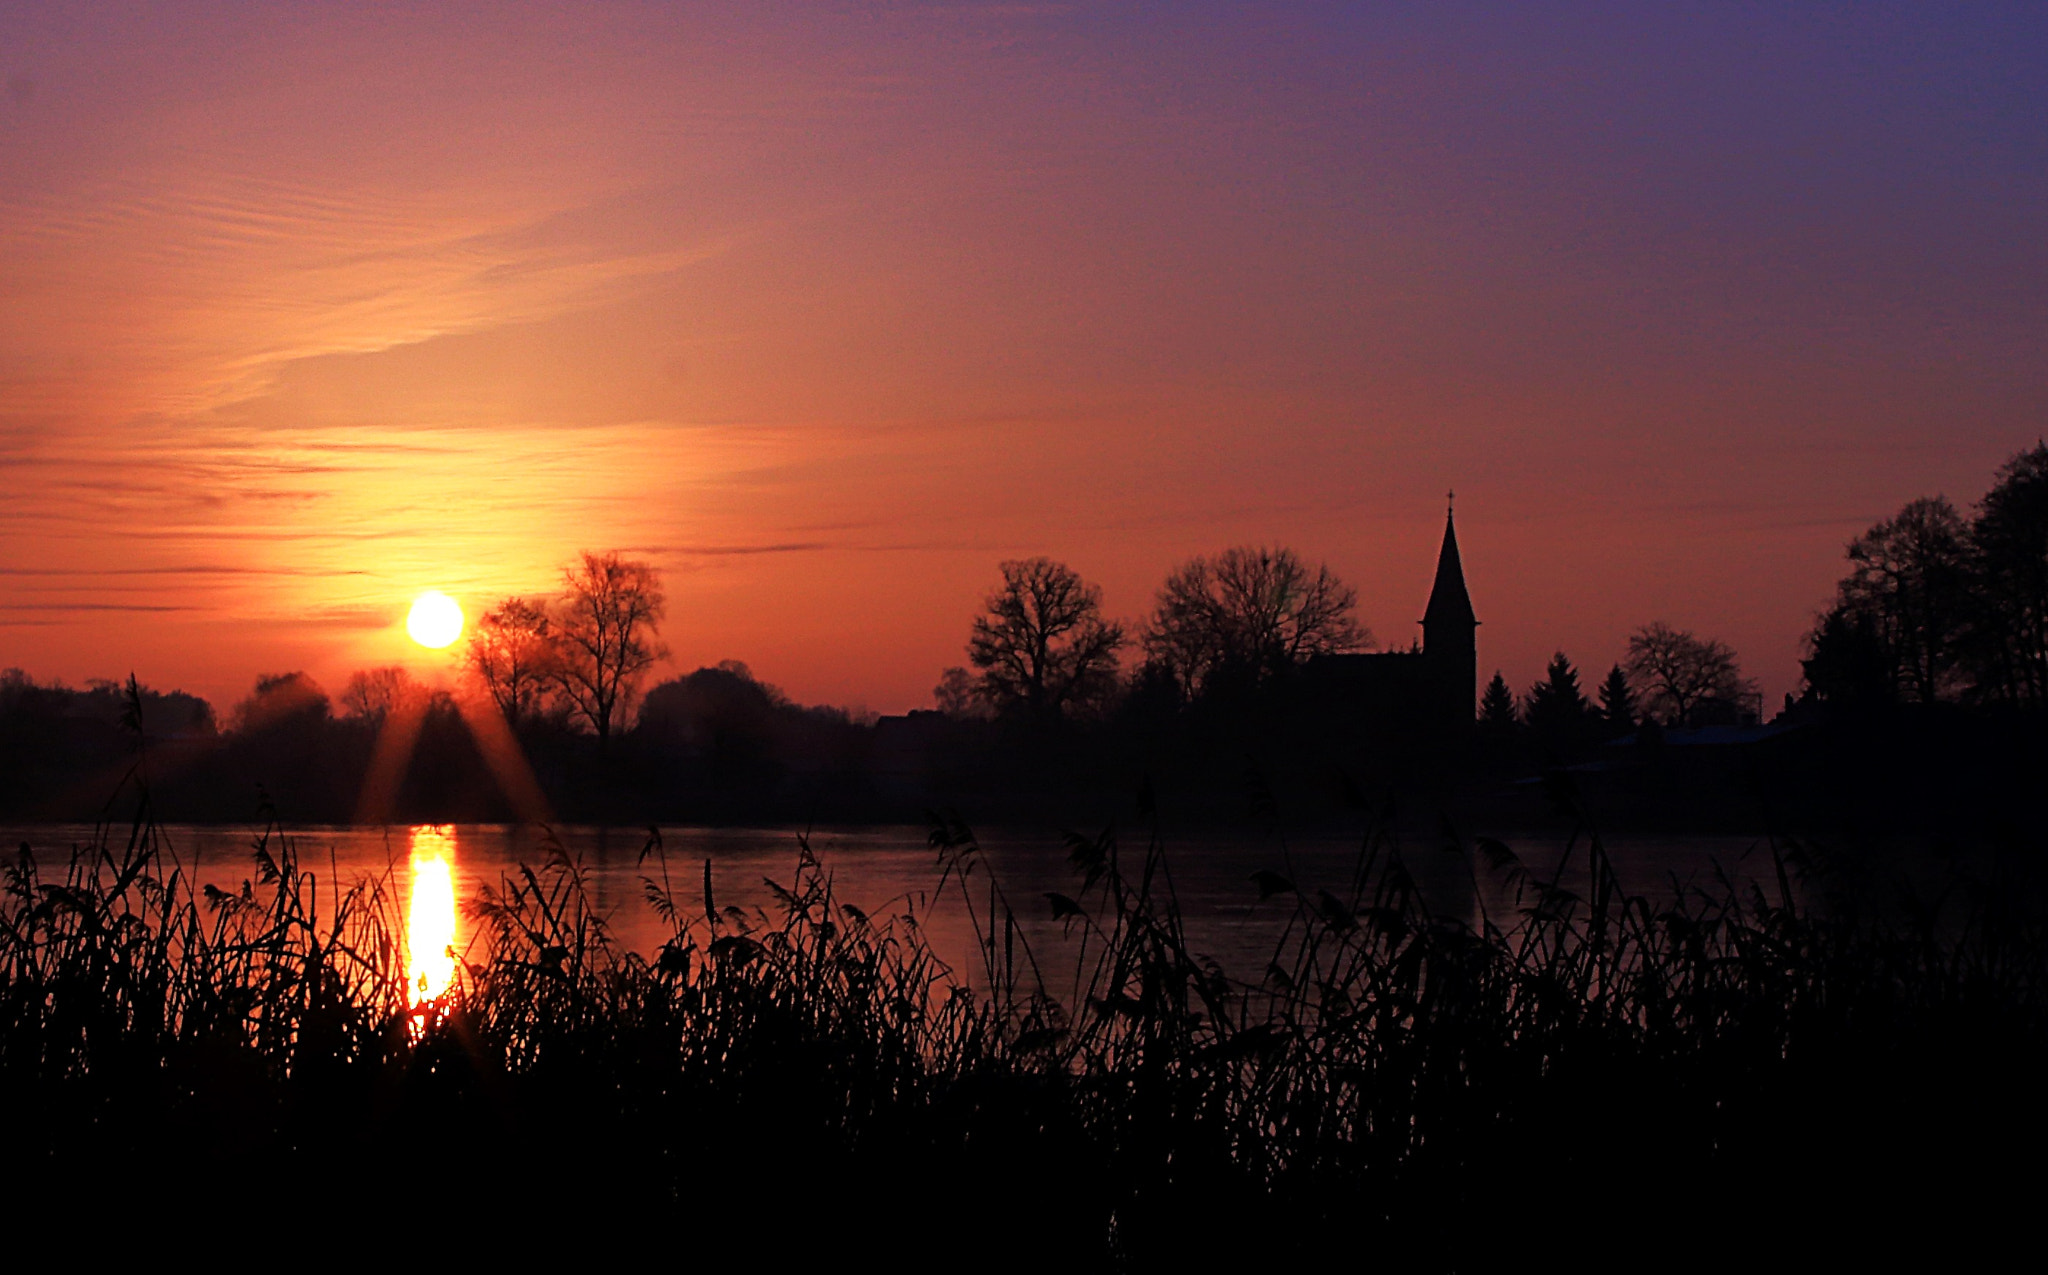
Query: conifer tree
{"points": [[1617, 701], [1556, 702], [1497, 706], [1557, 709]]}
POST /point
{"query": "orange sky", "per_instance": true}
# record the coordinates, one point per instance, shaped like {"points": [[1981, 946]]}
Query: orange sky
{"points": [[828, 311]]}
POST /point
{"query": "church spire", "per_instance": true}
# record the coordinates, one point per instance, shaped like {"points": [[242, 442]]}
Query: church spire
{"points": [[1449, 603]]}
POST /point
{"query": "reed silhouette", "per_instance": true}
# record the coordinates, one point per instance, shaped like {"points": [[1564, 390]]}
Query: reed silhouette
{"points": [[1795, 1065]]}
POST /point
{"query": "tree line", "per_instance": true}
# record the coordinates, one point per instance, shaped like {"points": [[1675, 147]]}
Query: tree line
{"points": [[1249, 617], [1041, 646], [1668, 677], [1937, 606], [572, 661]]}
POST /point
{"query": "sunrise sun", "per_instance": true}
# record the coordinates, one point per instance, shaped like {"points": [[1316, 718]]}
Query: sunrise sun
{"points": [[435, 621]]}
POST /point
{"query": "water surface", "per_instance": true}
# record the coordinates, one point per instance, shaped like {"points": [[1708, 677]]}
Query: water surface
{"points": [[889, 871]]}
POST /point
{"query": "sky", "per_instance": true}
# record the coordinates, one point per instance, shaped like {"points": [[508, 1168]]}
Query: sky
{"points": [[826, 311]]}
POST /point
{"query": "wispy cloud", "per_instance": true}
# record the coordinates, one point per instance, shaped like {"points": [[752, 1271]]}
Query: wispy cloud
{"points": [[67, 607]]}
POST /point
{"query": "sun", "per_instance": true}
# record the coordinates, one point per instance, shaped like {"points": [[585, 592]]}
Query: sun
{"points": [[436, 619]]}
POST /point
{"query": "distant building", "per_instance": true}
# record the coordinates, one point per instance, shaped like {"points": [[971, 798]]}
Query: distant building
{"points": [[1427, 691], [903, 743]]}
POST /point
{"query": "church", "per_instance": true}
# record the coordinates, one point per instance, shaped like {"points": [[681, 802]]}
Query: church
{"points": [[1427, 692]]}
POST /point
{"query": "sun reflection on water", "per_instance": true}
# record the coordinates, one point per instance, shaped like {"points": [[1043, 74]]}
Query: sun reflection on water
{"points": [[430, 920]]}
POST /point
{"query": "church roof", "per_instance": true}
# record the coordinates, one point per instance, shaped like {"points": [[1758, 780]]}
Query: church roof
{"points": [[1449, 603]]}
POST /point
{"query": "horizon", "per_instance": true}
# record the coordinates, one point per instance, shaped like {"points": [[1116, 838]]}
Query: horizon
{"points": [[308, 313]]}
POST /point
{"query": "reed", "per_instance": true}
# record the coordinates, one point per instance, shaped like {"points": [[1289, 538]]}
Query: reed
{"points": [[1416, 1088]]}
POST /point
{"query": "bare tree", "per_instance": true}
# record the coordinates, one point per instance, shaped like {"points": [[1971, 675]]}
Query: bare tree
{"points": [[373, 694], [1250, 612], [1675, 674], [604, 634], [1908, 588], [958, 695], [1042, 645], [512, 652]]}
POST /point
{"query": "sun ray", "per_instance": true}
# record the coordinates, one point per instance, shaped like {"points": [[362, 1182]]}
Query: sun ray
{"points": [[389, 757]]}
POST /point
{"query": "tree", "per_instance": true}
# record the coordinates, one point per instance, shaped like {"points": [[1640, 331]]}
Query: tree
{"points": [[280, 698], [605, 636], [512, 651], [1497, 707], [1846, 662], [2007, 647], [958, 694], [1676, 675], [1041, 646], [373, 694], [1906, 591], [1936, 608], [723, 712], [1557, 709], [1250, 614], [1617, 701]]}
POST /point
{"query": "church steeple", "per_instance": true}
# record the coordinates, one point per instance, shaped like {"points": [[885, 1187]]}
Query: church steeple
{"points": [[1450, 606], [1450, 638]]}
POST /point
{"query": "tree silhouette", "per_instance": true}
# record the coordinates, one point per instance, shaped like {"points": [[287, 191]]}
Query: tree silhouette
{"points": [[280, 697], [2008, 645], [375, 693], [958, 694], [1676, 674], [1249, 614], [1906, 593], [743, 727], [1937, 608], [1557, 709], [1041, 645], [512, 652], [605, 632], [1617, 701], [1497, 711], [1846, 661]]}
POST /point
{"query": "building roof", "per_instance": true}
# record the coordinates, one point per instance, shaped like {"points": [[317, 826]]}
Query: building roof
{"points": [[1449, 603], [1710, 736]]}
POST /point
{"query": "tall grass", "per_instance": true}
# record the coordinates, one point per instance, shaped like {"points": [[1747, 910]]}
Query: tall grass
{"points": [[1584, 1070]]}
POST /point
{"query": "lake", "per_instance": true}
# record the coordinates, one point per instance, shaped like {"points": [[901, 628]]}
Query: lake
{"points": [[887, 871]]}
